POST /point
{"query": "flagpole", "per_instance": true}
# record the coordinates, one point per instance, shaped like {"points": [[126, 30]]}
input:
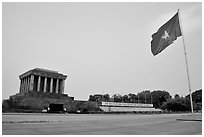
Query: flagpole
{"points": [[187, 70]]}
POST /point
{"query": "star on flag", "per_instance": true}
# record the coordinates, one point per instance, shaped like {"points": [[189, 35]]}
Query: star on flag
{"points": [[166, 35]]}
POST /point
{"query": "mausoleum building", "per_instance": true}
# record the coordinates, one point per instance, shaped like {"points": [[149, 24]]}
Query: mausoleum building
{"points": [[41, 89], [42, 80]]}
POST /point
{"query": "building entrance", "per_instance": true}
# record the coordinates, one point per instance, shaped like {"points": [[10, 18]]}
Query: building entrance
{"points": [[56, 107]]}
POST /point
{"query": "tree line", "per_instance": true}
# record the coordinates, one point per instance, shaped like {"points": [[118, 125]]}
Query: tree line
{"points": [[159, 98]]}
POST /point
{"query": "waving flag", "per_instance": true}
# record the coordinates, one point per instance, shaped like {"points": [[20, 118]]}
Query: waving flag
{"points": [[165, 35]]}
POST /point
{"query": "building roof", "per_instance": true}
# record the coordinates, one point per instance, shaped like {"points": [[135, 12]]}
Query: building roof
{"points": [[43, 72]]}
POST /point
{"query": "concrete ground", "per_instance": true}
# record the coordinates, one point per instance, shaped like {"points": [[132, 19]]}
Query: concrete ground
{"points": [[99, 124]]}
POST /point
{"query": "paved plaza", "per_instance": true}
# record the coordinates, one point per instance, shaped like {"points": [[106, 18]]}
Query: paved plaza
{"points": [[100, 124]]}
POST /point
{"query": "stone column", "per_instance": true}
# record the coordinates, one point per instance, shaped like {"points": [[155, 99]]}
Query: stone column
{"points": [[26, 82], [23, 85], [26, 85], [57, 86], [20, 85], [39, 79], [62, 87], [31, 82], [51, 85], [45, 84]]}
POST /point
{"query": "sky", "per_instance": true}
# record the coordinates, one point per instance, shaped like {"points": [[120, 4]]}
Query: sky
{"points": [[103, 48]]}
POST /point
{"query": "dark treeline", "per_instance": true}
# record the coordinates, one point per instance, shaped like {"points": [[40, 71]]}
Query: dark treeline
{"points": [[159, 98]]}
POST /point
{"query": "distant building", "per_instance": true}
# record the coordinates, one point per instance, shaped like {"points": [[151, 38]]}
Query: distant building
{"points": [[128, 107], [42, 80]]}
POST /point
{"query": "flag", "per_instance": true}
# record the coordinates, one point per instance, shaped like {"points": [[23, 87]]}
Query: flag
{"points": [[165, 35]]}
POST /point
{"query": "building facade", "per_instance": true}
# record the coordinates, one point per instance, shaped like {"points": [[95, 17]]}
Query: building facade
{"points": [[42, 80]]}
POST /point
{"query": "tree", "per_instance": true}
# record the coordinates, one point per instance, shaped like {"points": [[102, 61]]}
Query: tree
{"points": [[144, 96], [197, 96], [96, 98], [125, 99], [180, 104], [117, 98], [132, 97], [90, 106], [158, 97], [91, 98], [174, 105], [106, 97], [176, 96], [197, 99]]}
